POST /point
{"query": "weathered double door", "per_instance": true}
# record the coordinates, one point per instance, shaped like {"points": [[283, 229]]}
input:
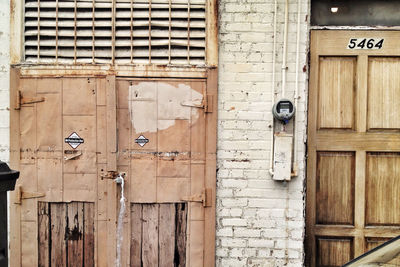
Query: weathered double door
{"points": [[71, 137], [353, 183]]}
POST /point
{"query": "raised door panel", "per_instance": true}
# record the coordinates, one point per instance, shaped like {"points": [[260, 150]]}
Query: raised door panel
{"points": [[383, 92], [382, 189], [336, 95], [335, 188], [332, 252]]}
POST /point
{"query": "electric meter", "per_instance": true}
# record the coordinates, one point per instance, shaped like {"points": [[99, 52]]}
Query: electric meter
{"points": [[283, 110]]}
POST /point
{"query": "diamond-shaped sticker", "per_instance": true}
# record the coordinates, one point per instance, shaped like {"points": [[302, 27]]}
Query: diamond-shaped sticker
{"points": [[74, 140], [141, 140]]}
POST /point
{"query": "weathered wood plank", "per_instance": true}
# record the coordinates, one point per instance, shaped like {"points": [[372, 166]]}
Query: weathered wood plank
{"points": [[180, 234], [211, 166], [88, 234], [136, 235], [58, 243], [74, 234], [43, 233], [150, 235], [166, 236]]}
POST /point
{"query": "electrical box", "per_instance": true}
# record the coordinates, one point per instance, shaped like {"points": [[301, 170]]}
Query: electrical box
{"points": [[283, 157], [283, 110]]}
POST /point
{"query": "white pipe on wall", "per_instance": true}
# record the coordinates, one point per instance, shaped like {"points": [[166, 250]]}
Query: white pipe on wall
{"points": [[296, 93], [271, 165], [284, 56]]}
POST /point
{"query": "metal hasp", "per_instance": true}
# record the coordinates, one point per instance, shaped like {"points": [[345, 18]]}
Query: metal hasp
{"points": [[8, 178]]}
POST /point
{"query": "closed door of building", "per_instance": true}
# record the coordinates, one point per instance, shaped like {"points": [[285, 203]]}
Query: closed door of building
{"points": [[73, 135], [353, 173]]}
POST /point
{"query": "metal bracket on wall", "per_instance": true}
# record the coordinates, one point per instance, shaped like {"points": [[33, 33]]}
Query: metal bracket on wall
{"points": [[20, 194], [26, 100], [204, 197], [205, 104]]}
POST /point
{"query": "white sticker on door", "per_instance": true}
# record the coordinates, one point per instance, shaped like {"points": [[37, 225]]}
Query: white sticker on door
{"points": [[74, 140]]}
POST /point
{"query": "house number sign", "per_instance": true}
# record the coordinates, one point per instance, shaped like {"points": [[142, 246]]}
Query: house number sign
{"points": [[365, 43]]}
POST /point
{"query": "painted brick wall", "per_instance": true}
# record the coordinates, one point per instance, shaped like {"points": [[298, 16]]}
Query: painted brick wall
{"points": [[4, 79], [260, 222]]}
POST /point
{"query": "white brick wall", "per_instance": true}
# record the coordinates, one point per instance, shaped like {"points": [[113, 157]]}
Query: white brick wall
{"points": [[259, 222]]}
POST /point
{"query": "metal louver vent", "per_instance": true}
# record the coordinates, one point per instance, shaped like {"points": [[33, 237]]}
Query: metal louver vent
{"points": [[162, 32]]}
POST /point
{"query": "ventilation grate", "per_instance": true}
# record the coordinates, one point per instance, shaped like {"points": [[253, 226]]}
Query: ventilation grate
{"points": [[162, 32]]}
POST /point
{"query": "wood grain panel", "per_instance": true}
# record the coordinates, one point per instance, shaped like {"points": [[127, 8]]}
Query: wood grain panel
{"points": [[158, 234], [166, 242], [43, 236], [334, 252], [180, 234], [371, 243], [382, 189], [383, 93], [150, 235], [74, 234], [66, 234], [58, 253], [136, 235], [335, 188], [336, 92], [88, 234]]}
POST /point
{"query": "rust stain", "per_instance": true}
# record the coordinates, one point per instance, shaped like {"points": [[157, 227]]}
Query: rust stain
{"points": [[74, 233]]}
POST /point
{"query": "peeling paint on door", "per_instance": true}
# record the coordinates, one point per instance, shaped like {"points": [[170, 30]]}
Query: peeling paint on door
{"points": [[156, 105]]}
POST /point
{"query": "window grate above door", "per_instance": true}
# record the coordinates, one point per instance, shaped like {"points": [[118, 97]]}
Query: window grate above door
{"points": [[161, 32]]}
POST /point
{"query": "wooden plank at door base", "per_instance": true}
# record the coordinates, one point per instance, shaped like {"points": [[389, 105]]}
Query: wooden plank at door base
{"points": [[166, 235], [150, 235], [88, 234], [74, 234], [43, 233], [57, 232], [180, 234], [136, 235]]}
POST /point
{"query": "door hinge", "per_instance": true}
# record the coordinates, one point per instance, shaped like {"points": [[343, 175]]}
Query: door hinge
{"points": [[20, 194], [26, 100], [205, 197], [205, 104]]}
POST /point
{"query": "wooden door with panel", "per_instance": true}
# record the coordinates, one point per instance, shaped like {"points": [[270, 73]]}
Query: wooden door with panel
{"points": [[61, 207], [353, 161], [164, 148]]}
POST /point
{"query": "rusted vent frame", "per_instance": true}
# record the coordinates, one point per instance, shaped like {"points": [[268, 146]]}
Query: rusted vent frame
{"points": [[113, 48]]}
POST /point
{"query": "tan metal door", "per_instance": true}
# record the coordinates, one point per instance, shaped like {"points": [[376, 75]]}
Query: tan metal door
{"points": [[61, 210], [353, 180], [164, 126], [71, 135]]}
